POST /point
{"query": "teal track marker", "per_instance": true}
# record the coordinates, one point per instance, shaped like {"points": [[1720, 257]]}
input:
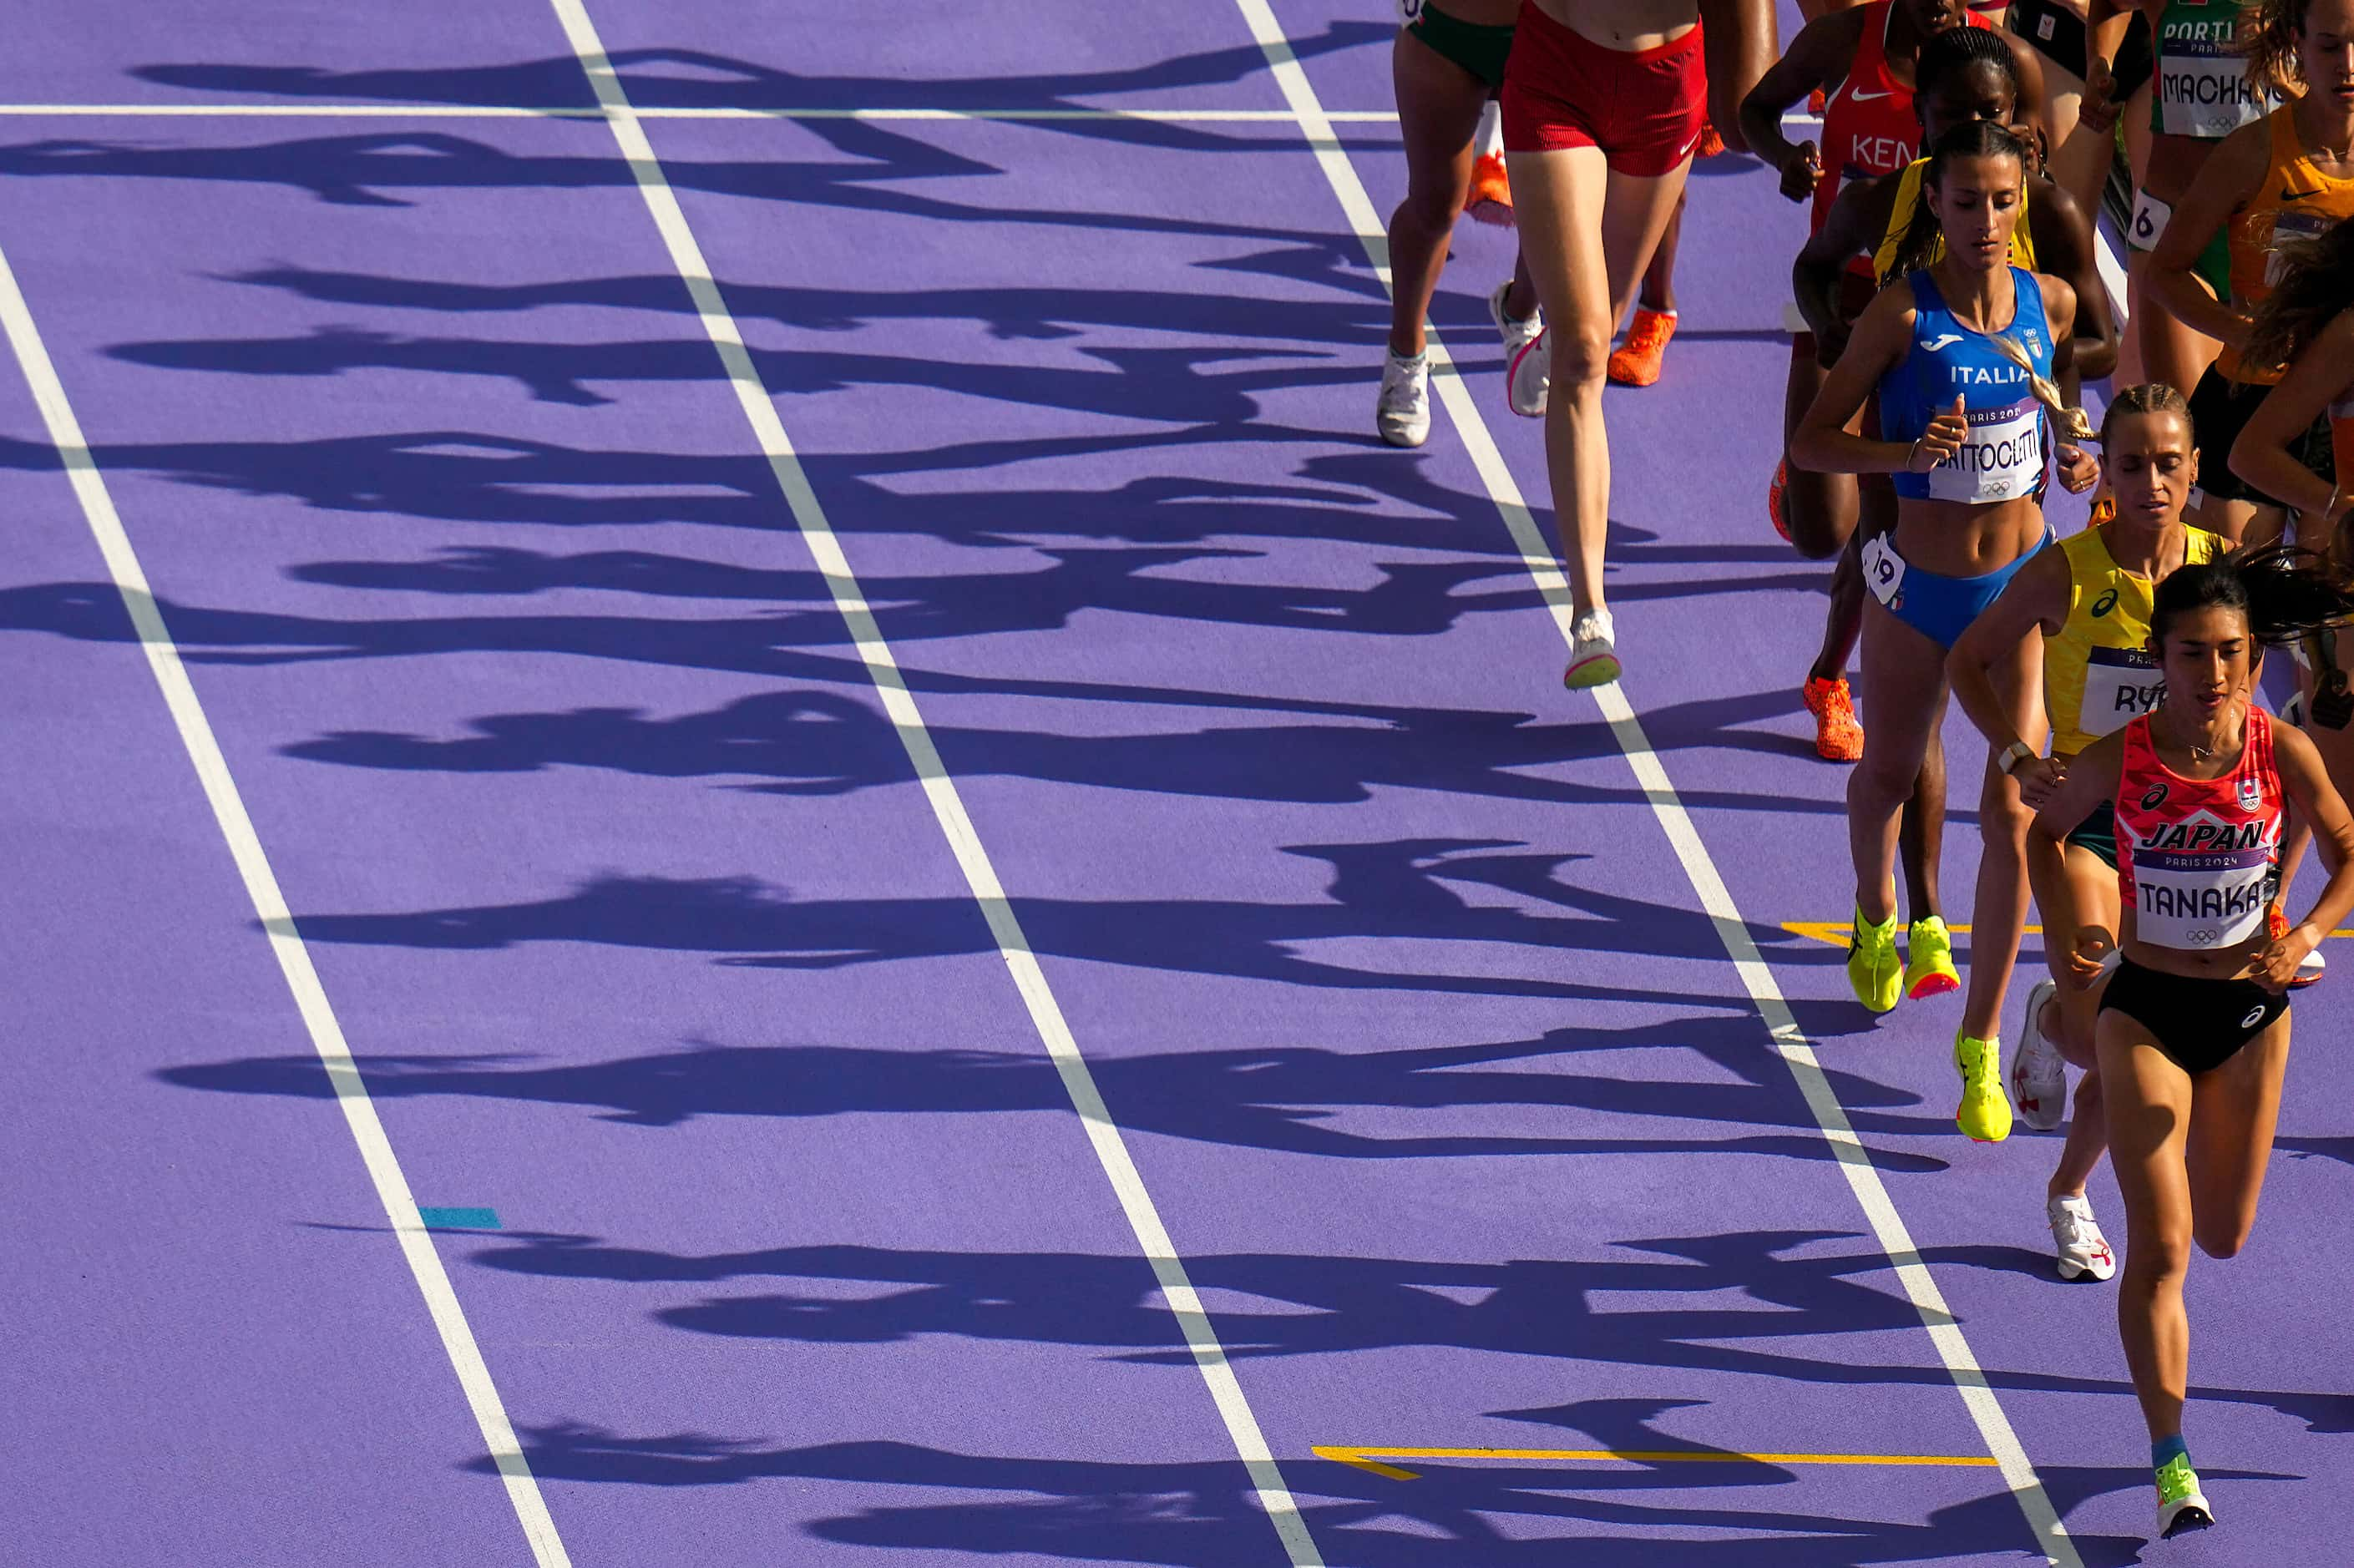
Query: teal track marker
{"points": [[460, 1219]]}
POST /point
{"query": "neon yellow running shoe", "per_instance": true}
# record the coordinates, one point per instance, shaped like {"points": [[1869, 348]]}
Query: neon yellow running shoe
{"points": [[1984, 1115], [1871, 966], [1929, 960], [2180, 1504]]}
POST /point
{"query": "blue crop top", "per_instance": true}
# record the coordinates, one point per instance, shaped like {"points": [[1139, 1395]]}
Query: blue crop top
{"points": [[2003, 458]]}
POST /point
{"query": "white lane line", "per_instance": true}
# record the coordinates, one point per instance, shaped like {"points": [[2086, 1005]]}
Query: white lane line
{"points": [[947, 807], [1537, 555], [285, 941], [2113, 273], [558, 111]]}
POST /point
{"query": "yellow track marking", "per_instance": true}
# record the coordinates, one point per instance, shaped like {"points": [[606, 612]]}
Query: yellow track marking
{"points": [[1361, 1457], [1836, 932]]}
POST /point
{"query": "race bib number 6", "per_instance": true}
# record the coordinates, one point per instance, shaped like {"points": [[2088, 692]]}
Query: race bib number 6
{"points": [[1883, 570]]}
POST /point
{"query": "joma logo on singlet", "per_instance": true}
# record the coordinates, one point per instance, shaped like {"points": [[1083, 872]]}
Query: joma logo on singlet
{"points": [[2200, 838]]}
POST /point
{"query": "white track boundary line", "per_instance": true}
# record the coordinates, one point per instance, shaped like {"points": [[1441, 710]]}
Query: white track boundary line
{"points": [[684, 112], [947, 807], [285, 942], [1537, 555], [558, 111]]}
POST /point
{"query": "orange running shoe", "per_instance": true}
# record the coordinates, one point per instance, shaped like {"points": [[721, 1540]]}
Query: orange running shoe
{"points": [[1638, 363], [1710, 144], [1491, 192], [1774, 500], [1837, 736]]}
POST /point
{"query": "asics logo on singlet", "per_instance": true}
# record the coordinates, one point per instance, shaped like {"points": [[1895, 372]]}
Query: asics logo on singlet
{"points": [[1943, 340], [2151, 797], [2105, 603], [2255, 1016]]}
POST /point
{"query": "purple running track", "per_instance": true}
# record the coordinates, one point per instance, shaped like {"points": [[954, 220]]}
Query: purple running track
{"points": [[640, 926]]}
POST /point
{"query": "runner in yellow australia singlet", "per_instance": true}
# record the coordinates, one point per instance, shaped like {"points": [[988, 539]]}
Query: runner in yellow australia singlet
{"points": [[2090, 599]]}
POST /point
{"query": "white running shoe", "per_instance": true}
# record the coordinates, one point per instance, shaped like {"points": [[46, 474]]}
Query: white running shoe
{"points": [[2076, 1237], [2038, 1073], [1517, 334], [1403, 414], [2309, 969], [1528, 378], [1593, 657]]}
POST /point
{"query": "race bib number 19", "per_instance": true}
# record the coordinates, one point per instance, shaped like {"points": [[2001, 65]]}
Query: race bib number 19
{"points": [[1883, 570]]}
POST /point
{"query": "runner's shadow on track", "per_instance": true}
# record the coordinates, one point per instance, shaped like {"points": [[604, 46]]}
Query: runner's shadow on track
{"points": [[2338, 1149], [1184, 1514], [1403, 891], [1167, 386], [1564, 1311], [1411, 1103], [816, 743], [820, 762], [845, 164], [1270, 1306], [1009, 313], [697, 78]]}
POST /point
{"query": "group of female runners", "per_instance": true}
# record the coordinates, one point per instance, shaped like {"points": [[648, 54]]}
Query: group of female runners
{"points": [[1952, 308]]}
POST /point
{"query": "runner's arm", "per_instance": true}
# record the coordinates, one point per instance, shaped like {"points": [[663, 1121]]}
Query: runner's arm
{"points": [[2064, 245], [1740, 40], [2036, 601], [2316, 800], [2231, 174], [2261, 455], [2090, 779], [1852, 227], [1882, 337], [2105, 34], [1813, 61]]}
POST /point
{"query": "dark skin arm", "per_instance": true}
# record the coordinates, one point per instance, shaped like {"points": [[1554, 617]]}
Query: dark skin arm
{"points": [[1857, 218], [2063, 247], [1740, 40], [1818, 57], [2105, 34]]}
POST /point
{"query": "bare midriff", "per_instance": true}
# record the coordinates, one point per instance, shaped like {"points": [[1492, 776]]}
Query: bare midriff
{"points": [[1629, 25]]}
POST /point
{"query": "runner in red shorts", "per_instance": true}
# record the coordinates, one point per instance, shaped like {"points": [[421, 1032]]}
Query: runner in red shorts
{"points": [[1604, 102]]}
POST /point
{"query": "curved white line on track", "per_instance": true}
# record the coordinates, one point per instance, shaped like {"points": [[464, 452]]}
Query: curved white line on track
{"points": [[939, 789], [1537, 555], [285, 942]]}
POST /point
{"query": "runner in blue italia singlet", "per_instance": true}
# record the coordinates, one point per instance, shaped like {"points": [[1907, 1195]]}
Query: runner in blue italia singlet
{"points": [[1963, 439], [2002, 460]]}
